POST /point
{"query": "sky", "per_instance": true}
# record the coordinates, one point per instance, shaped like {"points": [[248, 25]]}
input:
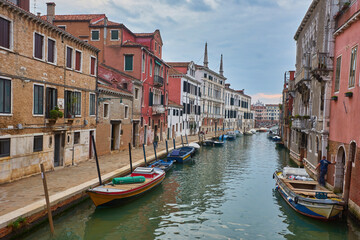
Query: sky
{"points": [[254, 36]]}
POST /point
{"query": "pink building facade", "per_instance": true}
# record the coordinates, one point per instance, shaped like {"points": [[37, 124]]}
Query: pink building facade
{"points": [[344, 135]]}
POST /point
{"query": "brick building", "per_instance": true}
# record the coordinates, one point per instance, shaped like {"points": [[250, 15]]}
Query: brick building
{"points": [[50, 69], [137, 55]]}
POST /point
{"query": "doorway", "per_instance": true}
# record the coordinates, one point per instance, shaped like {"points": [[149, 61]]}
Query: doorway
{"points": [[59, 144], [145, 134], [339, 170], [348, 170], [91, 147], [115, 136], [135, 133]]}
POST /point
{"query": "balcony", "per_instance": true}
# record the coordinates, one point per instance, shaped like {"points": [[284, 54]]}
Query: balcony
{"points": [[302, 124], [158, 109], [158, 81]]}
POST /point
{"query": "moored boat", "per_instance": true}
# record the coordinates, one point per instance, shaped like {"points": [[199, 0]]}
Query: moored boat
{"points": [[248, 133], [139, 181], [276, 138], [306, 196], [253, 131], [208, 142], [231, 135], [181, 155], [263, 129], [238, 133], [218, 143], [162, 164], [194, 145]]}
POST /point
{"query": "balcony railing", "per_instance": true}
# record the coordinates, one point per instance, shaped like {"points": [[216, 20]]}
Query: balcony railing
{"points": [[322, 62], [158, 109], [302, 124], [158, 81]]}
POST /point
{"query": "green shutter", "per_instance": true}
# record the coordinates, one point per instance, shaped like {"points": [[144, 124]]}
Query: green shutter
{"points": [[128, 62]]}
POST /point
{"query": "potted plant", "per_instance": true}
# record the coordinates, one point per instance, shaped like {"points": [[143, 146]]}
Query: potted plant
{"points": [[55, 114], [306, 117], [349, 94], [335, 98]]}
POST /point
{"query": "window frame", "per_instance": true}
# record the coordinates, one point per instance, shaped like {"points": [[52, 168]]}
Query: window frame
{"points": [[136, 93], [81, 60], [337, 75], [92, 94], [61, 27], [126, 112], [43, 100], [42, 143], [55, 51], [108, 110], [72, 57], [11, 97], [77, 92], [9, 152], [43, 46], [95, 65], [79, 138], [113, 30], [91, 35], [132, 63], [11, 34], [351, 65]]}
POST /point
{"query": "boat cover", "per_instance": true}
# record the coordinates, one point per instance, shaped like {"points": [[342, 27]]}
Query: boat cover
{"points": [[175, 153], [125, 180]]}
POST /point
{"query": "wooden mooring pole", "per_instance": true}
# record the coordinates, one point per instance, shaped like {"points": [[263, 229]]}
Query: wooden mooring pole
{"points": [[182, 141], [167, 149], [130, 157], [47, 198], [96, 159], [187, 142], [154, 143], [144, 155], [174, 143]]}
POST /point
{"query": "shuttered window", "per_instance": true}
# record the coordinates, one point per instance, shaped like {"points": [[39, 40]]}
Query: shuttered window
{"points": [[150, 98], [51, 51], [95, 35], [352, 67], [77, 103], [92, 65], [38, 143], [5, 147], [4, 33], [128, 62], [5, 96], [337, 74], [78, 60], [38, 100], [69, 57], [114, 35], [92, 104], [39, 46], [51, 100]]}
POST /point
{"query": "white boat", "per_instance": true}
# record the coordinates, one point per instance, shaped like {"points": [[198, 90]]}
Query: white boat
{"points": [[253, 131], [306, 196]]}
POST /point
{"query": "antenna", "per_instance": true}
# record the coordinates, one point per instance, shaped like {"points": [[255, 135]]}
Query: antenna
{"points": [[34, 6]]}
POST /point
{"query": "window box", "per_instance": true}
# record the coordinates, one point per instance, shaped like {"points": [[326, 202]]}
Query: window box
{"points": [[349, 94], [335, 98]]}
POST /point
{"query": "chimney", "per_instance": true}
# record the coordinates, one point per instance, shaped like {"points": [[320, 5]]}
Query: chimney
{"points": [[206, 62], [221, 66], [50, 12], [24, 4]]}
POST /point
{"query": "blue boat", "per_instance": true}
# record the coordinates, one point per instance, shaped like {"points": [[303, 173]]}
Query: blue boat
{"points": [[231, 135], [163, 165], [181, 155]]}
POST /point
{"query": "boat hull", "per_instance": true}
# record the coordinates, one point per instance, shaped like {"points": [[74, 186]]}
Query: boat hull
{"points": [[163, 165], [324, 209], [100, 196], [183, 157]]}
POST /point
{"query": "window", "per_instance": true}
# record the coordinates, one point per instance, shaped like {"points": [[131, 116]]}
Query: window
{"points": [[155, 46], [51, 100], [69, 57], [4, 147], [63, 27], [159, 50], [38, 100], [92, 104], [72, 104], [76, 137], [51, 55], [95, 35], [106, 110], [38, 143], [92, 65], [38, 46], [151, 67], [78, 60], [125, 85], [337, 74], [5, 96], [5, 33], [352, 67], [114, 35], [136, 93], [128, 62], [143, 63], [126, 112]]}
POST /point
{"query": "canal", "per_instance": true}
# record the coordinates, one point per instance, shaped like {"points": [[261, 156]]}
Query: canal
{"points": [[226, 193]]}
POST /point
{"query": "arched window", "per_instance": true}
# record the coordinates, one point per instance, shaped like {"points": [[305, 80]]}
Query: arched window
{"points": [[317, 144]]}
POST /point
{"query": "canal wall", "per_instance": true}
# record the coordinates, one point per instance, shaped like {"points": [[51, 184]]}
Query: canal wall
{"points": [[23, 219]]}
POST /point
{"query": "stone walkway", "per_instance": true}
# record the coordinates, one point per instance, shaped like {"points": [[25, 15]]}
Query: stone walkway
{"points": [[26, 196]]}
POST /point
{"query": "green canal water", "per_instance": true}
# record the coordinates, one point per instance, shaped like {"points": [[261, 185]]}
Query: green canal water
{"points": [[225, 193]]}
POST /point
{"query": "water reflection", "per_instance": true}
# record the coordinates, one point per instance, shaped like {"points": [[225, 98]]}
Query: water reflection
{"points": [[225, 193]]}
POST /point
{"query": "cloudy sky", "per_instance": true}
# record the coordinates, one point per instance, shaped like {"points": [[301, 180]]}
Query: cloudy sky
{"points": [[255, 36]]}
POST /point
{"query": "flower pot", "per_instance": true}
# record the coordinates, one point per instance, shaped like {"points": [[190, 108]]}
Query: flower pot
{"points": [[349, 94], [335, 98], [52, 121]]}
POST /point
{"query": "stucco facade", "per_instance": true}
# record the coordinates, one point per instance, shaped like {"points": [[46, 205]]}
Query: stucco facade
{"points": [[39, 74]]}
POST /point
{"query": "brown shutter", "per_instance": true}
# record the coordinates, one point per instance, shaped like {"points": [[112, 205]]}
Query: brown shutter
{"points": [[77, 60], [38, 46], [92, 71], [68, 57], [4, 33], [51, 51]]}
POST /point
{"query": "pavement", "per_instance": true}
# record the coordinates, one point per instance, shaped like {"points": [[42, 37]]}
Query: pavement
{"points": [[25, 197]]}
